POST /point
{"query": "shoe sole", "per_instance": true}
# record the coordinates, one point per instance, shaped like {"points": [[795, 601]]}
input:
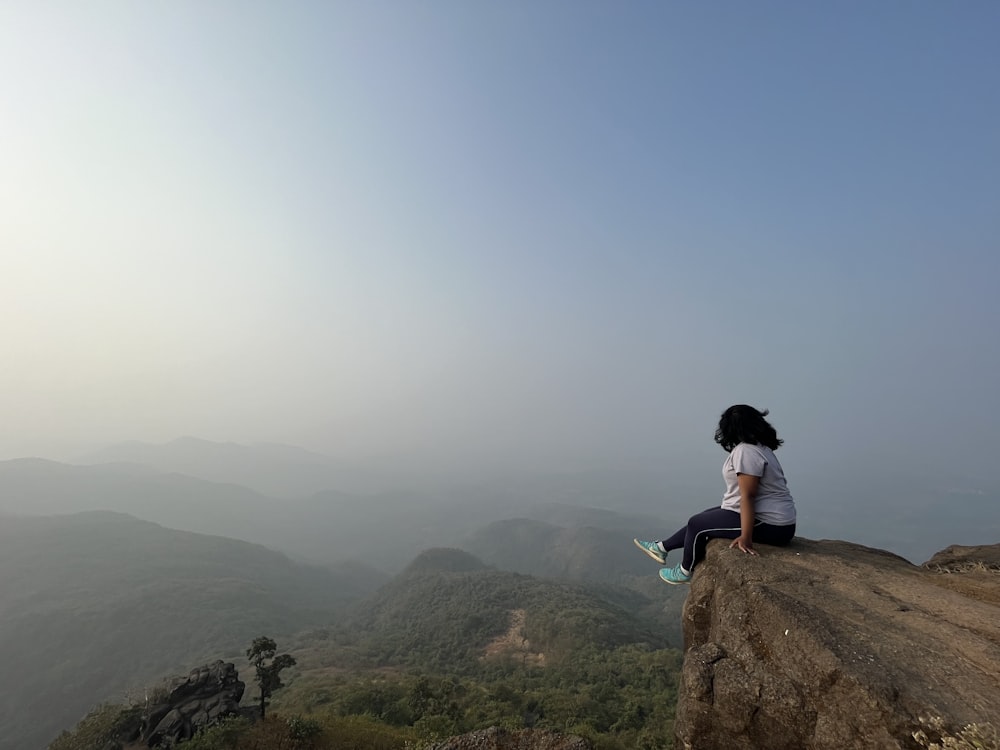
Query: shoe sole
{"points": [[662, 559], [674, 583]]}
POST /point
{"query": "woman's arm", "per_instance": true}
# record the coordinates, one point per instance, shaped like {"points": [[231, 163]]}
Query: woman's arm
{"points": [[748, 493]]}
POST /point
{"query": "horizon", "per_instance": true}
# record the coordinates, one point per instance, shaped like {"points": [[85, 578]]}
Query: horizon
{"points": [[937, 514]]}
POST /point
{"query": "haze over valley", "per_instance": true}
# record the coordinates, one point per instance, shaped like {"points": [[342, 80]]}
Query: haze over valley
{"points": [[85, 569], [291, 500]]}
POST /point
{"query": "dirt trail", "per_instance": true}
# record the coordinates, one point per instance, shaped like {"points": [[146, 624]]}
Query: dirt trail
{"points": [[514, 644]]}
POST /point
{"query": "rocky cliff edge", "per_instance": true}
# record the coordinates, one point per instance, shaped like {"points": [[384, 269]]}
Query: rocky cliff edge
{"points": [[831, 645]]}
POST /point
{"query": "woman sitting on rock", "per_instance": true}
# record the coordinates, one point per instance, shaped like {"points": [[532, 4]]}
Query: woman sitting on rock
{"points": [[755, 507]]}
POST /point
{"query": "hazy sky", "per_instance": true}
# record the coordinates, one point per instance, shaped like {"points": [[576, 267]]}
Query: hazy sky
{"points": [[542, 234]]}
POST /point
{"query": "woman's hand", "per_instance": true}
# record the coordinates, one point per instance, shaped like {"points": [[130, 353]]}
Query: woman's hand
{"points": [[745, 544]]}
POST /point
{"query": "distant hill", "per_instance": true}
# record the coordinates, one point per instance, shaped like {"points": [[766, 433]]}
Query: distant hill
{"points": [[384, 530], [39, 487], [328, 527], [538, 548], [91, 604], [570, 515], [283, 471], [444, 560]]}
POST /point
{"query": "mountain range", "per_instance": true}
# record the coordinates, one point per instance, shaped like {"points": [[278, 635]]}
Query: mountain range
{"points": [[115, 574], [385, 529], [281, 471]]}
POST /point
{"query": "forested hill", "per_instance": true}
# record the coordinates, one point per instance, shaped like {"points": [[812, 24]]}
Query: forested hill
{"points": [[451, 645], [93, 602], [447, 607]]}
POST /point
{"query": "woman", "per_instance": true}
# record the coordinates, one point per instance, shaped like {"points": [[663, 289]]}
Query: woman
{"points": [[756, 506]]}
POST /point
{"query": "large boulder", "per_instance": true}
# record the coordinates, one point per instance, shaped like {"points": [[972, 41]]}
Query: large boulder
{"points": [[207, 694], [826, 645]]}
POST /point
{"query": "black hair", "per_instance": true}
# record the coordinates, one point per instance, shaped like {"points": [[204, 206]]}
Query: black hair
{"points": [[744, 424]]}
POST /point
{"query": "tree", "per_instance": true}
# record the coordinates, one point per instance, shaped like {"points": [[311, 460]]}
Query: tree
{"points": [[268, 666]]}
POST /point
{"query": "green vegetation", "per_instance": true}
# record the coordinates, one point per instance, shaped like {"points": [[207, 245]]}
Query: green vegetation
{"points": [[620, 700], [586, 660], [623, 698], [298, 733], [101, 729], [409, 666]]}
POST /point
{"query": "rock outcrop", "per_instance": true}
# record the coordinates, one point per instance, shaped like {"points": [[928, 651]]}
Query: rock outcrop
{"points": [[497, 738], [826, 645], [206, 695]]}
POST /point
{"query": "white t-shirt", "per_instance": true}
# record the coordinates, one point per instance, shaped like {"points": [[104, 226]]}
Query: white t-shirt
{"points": [[774, 503]]}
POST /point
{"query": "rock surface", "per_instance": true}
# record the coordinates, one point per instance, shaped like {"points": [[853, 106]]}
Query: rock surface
{"points": [[827, 645], [496, 738], [207, 694]]}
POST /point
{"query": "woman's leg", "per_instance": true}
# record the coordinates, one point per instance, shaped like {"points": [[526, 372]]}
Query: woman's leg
{"points": [[676, 540], [719, 523], [714, 523]]}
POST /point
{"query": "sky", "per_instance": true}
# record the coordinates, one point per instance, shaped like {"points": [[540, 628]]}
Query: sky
{"points": [[540, 236]]}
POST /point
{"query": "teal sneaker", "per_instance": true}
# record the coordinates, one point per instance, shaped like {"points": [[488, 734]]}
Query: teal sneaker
{"points": [[653, 550], [675, 575]]}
